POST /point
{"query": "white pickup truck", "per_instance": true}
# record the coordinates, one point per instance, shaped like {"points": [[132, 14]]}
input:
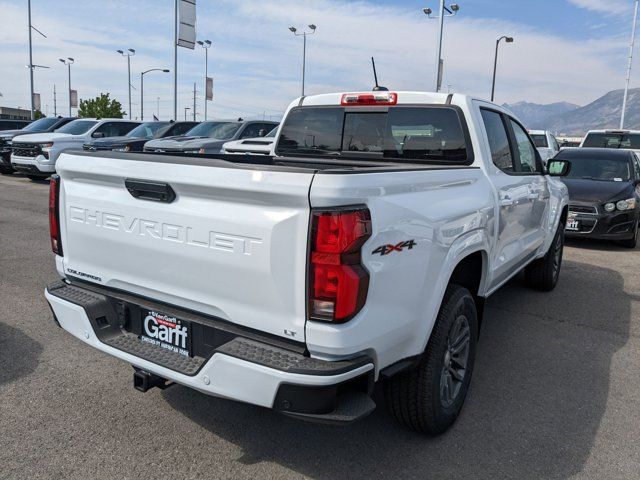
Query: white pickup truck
{"points": [[362, 252]]}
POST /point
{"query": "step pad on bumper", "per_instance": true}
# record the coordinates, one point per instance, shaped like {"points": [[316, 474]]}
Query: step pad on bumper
{"points": [[286, 361], [130, 343]]}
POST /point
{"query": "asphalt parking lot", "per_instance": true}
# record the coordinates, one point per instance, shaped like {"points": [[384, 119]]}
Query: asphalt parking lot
{"points": [[555, 394]]}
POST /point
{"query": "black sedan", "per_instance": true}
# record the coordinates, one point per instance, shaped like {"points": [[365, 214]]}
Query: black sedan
{"points": [[604, 192], [134, 140]]}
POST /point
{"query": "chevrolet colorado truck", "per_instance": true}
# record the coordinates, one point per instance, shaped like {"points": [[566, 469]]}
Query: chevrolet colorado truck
{"points": [[361, 252]]}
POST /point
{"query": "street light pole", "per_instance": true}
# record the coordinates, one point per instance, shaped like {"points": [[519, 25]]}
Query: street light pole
{"points": [[165, 70], [68, 63], [31, 65], [626, 88], [30, 61], [206, 44], [131, 53], [451, 11], [495, 63], [175, 62], [304, 34]]}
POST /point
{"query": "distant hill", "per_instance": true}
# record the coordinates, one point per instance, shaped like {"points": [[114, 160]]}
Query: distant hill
{"points": [[535, 116], [603, 113], [574, 120]]}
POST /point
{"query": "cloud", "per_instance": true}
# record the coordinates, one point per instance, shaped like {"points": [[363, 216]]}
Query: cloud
{"points": [[256, 61], [615, 7]]}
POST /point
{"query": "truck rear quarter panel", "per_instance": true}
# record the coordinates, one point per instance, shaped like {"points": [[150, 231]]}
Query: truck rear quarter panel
{"points": [[449, 213]]}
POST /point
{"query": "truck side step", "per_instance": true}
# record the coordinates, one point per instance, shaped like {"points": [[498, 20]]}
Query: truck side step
{"points": [[352, 406]]}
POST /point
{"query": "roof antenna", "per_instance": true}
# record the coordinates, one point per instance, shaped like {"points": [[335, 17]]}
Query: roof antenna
{"points": [[377, 88]]}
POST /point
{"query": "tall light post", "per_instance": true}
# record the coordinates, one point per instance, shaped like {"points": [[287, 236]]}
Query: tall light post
{"points": [[206, 44], [495, 63], [31, 65], [68, 63], [165, 70], [626, 88], [451, 11], [304, 34], [130, 53]]}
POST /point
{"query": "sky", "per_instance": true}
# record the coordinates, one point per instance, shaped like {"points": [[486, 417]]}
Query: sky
{"points": [[564, 50]]}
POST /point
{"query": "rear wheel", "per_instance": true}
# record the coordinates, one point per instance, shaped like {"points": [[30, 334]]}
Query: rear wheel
{"points": [[632, 242], [429, 397], [6, 170], [542, 274]]}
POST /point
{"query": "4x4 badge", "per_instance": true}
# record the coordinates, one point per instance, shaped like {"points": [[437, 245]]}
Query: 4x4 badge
{"points": [[399, 247]]}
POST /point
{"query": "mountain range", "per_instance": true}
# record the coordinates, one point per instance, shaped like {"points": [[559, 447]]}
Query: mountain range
{"points": [[568, 119]]}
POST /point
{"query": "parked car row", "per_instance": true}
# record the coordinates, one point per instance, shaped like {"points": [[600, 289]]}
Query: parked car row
{"points": [[35, 149]]}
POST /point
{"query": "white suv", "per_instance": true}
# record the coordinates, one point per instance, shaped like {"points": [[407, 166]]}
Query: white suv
{"points": [[36, 154]]}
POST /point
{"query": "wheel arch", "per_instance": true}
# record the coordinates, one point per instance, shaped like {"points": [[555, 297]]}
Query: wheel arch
{"points": [[470, 272]]}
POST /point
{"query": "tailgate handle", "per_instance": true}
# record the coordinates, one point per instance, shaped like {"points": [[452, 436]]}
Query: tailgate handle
{"points": [[147, 190]]}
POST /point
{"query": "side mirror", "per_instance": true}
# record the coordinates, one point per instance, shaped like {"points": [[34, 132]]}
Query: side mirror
{"points": [[97, 135], [558, 168], [262, 132]]}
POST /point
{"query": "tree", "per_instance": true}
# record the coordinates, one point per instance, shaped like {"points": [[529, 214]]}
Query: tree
{"points": [[38, 114], [101, 107]]}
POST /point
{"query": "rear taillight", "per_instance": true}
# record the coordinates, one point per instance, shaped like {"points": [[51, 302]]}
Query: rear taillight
{"points": [[54, 215], [377, 98], [338, 282]]}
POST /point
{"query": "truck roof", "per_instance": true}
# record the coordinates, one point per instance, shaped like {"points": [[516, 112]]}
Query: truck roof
{"points": [[614, 131], [403, 97]]}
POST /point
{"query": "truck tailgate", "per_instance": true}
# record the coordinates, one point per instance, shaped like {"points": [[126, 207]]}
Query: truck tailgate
{"points": [[232, 244]]}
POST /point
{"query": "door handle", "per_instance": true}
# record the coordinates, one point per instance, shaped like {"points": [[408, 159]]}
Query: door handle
{"points": [[148, 190]]}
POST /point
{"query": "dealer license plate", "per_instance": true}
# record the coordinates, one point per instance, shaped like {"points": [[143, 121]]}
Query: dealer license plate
{"points": [[572, 225], [167, 332]]}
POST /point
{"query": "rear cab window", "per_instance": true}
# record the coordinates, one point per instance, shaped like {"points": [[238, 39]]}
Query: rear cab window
{"points": [[612, 140], [411, 134]]}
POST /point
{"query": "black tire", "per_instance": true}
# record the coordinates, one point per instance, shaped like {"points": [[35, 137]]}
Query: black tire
{"points": [[632, 242], [36, 178], [417, 398], [543, 274], [6, 170]]}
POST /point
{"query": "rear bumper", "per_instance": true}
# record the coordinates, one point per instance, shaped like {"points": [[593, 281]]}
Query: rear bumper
{"points": [[240, 367]]}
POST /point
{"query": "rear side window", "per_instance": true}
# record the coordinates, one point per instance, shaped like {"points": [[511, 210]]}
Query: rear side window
{"points": [[498, 141], [526, 150], [415, 134], [540, 141], [181, 128], [116, 129]]}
